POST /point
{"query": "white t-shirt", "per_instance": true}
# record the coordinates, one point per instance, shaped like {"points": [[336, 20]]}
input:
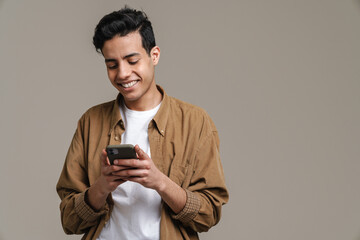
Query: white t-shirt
{"points": [[136, 213]]}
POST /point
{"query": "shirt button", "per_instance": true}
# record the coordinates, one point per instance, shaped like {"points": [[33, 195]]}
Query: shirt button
{"points": [[116, 138]]}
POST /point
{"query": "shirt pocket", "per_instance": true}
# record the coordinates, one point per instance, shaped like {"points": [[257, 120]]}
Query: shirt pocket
{"points": [[181, 174]]}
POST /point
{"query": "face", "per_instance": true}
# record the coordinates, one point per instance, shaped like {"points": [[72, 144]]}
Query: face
{"points": [[130, 69]]}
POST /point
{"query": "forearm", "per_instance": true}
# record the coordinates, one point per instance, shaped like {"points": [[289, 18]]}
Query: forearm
{"points": [[172, 194], [95, 197]]}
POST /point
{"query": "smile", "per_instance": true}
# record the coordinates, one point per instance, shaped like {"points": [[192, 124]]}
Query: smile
{"points": [[128, 85]]}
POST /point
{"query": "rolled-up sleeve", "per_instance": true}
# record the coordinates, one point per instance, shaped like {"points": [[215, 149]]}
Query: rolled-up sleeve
{"points": [[76, 215], [191, 208], [206, 192]]}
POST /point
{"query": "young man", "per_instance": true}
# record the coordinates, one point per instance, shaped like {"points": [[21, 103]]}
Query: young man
{"points": [[176, 186]]}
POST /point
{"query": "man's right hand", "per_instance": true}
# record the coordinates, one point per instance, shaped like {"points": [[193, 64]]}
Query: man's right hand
{"points": [[105, 184]]}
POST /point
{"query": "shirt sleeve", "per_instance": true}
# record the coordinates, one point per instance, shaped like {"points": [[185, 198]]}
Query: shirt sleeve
{"points": [[84, 210], [76, 215], [190, 209], [206, 192]]}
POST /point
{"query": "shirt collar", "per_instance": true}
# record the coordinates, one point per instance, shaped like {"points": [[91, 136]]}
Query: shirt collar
{"points": [[160, 118], [162, 115], [115, 115]]}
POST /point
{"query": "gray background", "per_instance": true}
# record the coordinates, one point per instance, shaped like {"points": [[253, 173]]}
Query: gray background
{"points": [[280, 79]]}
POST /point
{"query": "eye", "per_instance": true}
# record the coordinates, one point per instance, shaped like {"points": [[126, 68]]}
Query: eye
{"points": [[133, 62], [113, 66]]}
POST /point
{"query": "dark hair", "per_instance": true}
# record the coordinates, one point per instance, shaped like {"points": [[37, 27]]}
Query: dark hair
{"points": [[121, 23]]}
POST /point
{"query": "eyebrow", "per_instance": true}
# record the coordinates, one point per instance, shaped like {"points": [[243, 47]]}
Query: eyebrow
{"points": [[127, 56]]}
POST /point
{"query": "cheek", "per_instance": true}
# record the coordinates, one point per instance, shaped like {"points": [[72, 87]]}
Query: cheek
{"points": [[146, 71], [111, 75]]}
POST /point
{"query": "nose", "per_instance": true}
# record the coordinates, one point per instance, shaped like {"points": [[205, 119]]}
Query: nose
{"points": [[124, 71]]}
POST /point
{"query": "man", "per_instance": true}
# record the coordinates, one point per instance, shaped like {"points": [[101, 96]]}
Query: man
{"points": [[176, 186]]}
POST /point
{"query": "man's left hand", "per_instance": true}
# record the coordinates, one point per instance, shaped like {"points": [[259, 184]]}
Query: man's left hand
{"points": [[142, 170]]}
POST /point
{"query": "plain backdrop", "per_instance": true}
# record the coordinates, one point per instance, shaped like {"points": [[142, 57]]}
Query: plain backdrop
{"points": [[280, 79]]}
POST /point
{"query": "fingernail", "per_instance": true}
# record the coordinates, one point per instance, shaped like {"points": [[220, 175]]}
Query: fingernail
{"points": [[115, 161]]}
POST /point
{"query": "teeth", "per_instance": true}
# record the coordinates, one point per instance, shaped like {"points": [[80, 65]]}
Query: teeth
{"points": [[130, 84]]}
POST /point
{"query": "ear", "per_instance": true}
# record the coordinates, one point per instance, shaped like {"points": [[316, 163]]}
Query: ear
{"points": [[155, 55]]}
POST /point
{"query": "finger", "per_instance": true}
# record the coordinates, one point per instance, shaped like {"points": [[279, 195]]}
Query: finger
{"points": [[118, 170], [104, 159], [142, 155], [122, 167], [129, 173], [115, 179], [128, 163], [112, 169], [139, 180]]}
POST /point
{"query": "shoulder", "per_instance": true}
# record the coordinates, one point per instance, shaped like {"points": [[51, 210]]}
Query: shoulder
{"points": [[185, 107], [197, 116], [99, 111]]}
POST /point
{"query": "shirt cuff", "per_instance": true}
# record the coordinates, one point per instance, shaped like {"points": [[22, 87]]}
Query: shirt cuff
{"points": [[84, 210], [191, 208]]}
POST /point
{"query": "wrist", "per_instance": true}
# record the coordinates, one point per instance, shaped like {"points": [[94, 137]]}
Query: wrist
{"points": [[162, 185], [172, 194], [96, 196], [99, 189]]}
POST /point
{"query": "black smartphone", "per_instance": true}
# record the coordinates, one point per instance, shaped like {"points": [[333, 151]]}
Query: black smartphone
{"points": [[122, 151]]}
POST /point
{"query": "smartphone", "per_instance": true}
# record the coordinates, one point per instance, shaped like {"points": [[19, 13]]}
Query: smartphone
{"points": [[122, 151]]}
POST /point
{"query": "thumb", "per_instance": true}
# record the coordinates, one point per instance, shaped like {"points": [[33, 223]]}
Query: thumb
{"points": [[141, 153], [104, 159]]}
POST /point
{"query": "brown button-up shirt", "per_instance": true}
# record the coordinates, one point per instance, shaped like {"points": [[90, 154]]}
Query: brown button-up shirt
{"points": [[184, 145]]}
